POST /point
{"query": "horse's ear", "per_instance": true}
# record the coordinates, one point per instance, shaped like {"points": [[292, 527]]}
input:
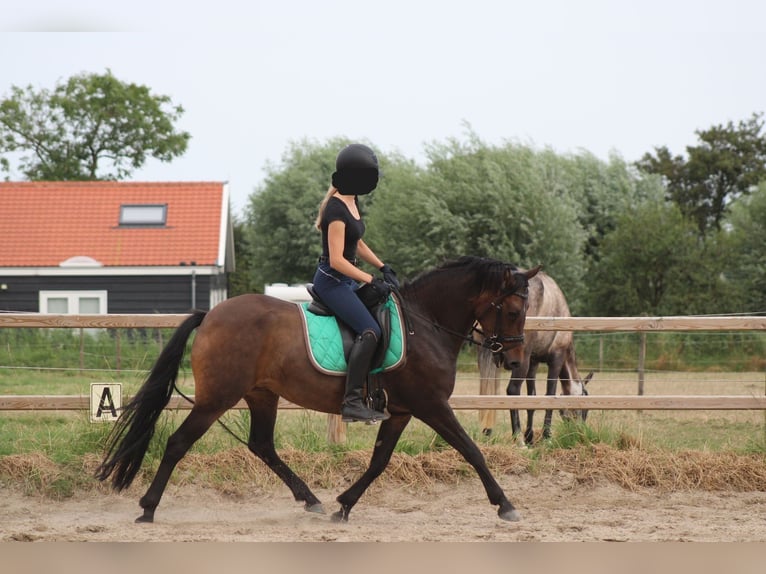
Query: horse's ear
{"points": [[534, 271], [587, 379]]}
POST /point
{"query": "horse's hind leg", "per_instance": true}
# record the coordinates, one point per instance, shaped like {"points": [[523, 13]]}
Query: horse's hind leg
{"points": [[488, 386], [263, 417], [514, 389], [554, 369], [179, 443], [529, 433], [388, 435], [442, 419]]}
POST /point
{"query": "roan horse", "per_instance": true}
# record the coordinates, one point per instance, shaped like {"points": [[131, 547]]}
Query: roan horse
{"points": [[250, 347], [555, 348]]}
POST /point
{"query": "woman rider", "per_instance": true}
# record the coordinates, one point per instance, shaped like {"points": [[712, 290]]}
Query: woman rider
{"points": [[338, 277]]}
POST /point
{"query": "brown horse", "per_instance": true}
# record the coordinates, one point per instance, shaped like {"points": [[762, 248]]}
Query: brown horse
{"points": [[251, 347], [555, 348]]}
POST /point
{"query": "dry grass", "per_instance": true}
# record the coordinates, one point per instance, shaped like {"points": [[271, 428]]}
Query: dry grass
{"points": [[635, 459], [237, 472]]}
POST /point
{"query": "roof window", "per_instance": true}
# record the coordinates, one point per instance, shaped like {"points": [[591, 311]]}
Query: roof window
{"points": [[143, 215]]}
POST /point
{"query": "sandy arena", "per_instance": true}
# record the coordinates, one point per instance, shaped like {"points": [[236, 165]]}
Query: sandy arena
{"points": [[553, 508]]}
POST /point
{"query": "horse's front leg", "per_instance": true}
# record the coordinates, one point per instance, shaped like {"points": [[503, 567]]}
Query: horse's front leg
{"points": [[263, 416], [388, 436], [442, 419]]}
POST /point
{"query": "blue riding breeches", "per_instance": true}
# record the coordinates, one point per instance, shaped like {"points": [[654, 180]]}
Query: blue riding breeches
{"points": [[338, 292]]}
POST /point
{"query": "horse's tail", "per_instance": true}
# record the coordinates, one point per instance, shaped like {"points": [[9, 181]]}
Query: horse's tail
{"points": [[129, 440]]}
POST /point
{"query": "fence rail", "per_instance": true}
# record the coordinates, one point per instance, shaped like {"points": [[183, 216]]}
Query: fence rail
{"points": [[458, 402], [469, 402], [171, 320]]}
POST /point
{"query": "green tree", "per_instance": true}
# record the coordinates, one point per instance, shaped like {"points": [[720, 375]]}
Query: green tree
{"points": [[728, 162], [91, 127], [603, 191], [489, 201], [655, 263], [746, 265], [280, 235], [509, 202], [240, 281], [407, 225], [282, 240]]}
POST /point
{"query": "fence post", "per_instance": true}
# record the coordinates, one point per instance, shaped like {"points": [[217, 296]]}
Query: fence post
{"points": [[336, 429], [641, 363], [118, 345], [82, 349], [641, 366], [601, 354]]}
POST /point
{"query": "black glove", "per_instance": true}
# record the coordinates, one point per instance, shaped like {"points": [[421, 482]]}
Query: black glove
{"points": [[389, 276], [381, 288], [374, 293]]}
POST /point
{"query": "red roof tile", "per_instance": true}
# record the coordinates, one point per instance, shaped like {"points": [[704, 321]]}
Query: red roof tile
{"points": [[45, 223]]}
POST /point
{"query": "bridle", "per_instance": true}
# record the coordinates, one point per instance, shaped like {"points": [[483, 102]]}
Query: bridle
{"points": [[496, 341]]}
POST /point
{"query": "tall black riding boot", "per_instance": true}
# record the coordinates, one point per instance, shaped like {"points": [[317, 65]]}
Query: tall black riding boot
{"points": [[354, 407]]}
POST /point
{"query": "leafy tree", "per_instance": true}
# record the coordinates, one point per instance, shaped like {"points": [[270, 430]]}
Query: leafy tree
{"points": [[476, 199], [240, 280], [729, 161], [654, 263], [407, 224], [576, 215], [282, 240], [603, 191], [746, 265], [91, 127], [280, 234]]}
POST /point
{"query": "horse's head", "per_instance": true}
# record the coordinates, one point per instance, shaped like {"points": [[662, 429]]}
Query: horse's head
{"points": [[576, 387], [502, 312]]}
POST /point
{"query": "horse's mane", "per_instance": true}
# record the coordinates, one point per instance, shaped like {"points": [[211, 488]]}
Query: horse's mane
{"points": [[490, 274]]}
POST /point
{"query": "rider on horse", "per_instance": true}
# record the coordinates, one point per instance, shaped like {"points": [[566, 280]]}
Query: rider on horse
{"points": [[337, 278]]}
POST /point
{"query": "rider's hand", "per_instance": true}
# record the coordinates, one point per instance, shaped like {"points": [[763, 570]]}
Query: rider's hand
{"points": [[389, 276], [381, 287]]}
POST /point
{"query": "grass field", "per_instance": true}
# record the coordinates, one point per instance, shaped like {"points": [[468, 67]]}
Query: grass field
{"points": [[674, 430], [55, 453]]}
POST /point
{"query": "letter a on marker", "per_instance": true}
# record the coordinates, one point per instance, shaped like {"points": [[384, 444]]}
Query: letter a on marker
{"points": [[106, 403]]}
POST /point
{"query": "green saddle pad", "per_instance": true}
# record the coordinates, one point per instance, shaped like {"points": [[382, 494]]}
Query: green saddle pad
{"points": [[325, 345]]}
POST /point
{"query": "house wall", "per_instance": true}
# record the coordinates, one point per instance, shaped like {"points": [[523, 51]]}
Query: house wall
{"points": [[125, 294]]}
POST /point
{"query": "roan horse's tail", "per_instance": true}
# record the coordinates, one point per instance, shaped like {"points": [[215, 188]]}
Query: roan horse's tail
{"points": [[129, 440]]}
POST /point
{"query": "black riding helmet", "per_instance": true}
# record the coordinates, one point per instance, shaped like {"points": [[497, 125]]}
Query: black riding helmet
{"points": [[356, 170]]}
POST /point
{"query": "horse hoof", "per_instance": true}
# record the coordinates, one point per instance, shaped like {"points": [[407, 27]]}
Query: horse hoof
{"points": [[315, 508], [146, 517], [339, 516], [509, 515]]}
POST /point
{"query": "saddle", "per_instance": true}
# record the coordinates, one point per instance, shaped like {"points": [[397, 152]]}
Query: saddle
{"points": [[327, 336]]}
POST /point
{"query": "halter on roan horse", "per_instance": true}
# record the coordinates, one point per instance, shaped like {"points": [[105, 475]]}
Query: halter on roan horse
{"points": [[249, 347], [555, 348]]}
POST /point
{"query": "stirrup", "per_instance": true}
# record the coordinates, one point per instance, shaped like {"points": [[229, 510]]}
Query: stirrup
{"points": [[369, 417]]}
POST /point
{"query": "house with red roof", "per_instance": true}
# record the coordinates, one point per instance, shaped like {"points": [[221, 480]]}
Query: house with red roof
{"points": [[114, 247]]}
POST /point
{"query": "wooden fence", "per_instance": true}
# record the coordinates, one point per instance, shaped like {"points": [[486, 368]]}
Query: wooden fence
{"points": [[470, 402]]}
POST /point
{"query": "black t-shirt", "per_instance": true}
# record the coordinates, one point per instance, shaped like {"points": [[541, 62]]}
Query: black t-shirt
{"points": [[336, 210]]}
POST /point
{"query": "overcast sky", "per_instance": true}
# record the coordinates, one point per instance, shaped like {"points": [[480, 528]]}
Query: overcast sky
{"points": [[618, 76]]}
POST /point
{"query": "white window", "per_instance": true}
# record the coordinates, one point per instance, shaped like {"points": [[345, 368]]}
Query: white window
{"points": [[139, 215], [73, 302]]}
